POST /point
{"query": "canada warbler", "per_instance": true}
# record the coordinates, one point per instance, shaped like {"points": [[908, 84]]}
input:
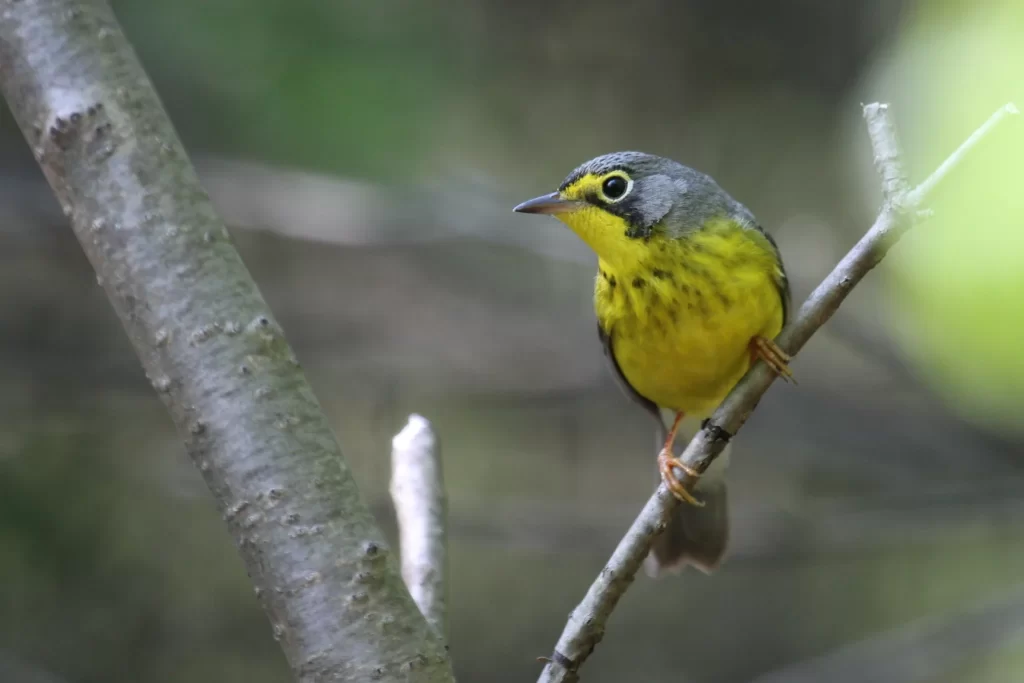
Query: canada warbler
{"points": [[689, 292]]}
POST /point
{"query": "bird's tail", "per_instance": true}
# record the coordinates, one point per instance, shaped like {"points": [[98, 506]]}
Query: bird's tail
{"points": [[695, 535]]}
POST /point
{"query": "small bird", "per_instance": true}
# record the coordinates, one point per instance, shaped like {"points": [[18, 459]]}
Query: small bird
{"points": [[689, 292]]}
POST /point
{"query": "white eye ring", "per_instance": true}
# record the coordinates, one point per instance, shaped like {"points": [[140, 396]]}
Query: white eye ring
{"points": [[625, 193]]}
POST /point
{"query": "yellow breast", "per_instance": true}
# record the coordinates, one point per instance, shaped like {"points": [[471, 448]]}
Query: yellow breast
{"points": [[682, 317]]}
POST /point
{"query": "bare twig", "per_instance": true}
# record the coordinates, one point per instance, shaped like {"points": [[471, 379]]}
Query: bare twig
{"points": [[417, 490], [211, 348], [586, 624], [886, 147], [918, 196]]}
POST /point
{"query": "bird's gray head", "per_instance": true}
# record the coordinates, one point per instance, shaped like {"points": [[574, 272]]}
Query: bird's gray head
{"points": [[648, 192]]}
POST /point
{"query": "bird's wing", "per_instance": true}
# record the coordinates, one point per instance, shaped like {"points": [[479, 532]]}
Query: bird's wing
{"points": [[627, 388], [781, 280]]}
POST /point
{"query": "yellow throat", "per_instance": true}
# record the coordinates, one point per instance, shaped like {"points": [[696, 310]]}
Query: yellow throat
{"points": [[680, 310]]}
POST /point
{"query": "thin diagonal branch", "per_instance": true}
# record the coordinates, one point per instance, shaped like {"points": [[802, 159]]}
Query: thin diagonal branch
{"points": [[211, 348], [417, 490], [586, 624], [918, 195]]}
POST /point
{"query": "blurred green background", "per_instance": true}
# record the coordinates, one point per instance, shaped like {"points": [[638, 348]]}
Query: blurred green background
{"points": [[366, 156]]}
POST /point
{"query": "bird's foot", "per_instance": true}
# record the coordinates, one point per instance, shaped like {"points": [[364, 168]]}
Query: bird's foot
{"points": [[666, 463], [773, 356]]}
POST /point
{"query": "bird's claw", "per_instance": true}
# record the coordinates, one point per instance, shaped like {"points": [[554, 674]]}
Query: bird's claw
{"points": [[773, 356], [666, 463]]}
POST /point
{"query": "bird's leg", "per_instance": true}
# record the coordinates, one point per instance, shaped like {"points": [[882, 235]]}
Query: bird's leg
{"points": [[667, 461], [773, 356]]}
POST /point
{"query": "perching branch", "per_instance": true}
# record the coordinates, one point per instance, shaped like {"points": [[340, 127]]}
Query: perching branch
{"points": [[417, 489], [211, 348], [586, 624]]}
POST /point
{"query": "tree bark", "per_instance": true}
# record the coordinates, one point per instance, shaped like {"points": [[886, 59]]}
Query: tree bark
{"points": [[211, 347]]}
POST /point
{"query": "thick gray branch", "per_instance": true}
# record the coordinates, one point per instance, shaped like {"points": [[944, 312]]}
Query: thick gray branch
{"points": [[211, 347], [417, 490], [586, 624]]}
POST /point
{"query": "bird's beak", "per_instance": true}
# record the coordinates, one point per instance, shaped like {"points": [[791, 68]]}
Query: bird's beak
{"points": [[549, 203]]}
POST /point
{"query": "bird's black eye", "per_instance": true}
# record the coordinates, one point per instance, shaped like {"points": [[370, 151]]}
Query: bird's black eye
{"points": [[614, 187]]}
